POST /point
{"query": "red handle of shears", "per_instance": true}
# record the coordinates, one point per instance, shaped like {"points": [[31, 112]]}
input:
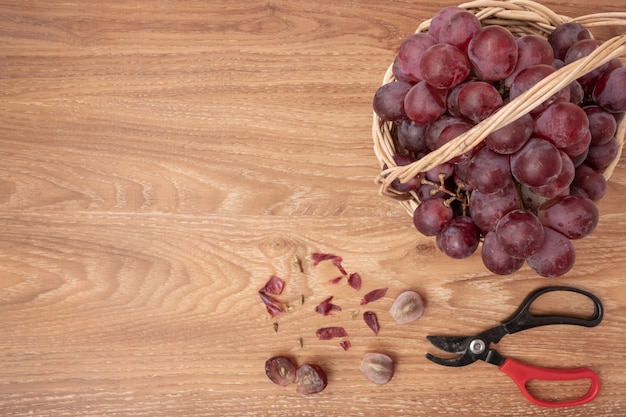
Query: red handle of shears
{"points": [[521, 373]]}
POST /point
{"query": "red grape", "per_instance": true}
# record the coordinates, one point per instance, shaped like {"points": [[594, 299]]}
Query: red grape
{"points": [[488, 171], [580, 50], [520, 233], [566, 35], [610, 91], [487, 208], [530, 76], [410, 54], [531, 50], [565, 125], [432, 215], [459, 238], [493, 53], [441, 16], [389, 101], [496, 259], [601, 156], [562, 182], [411, 136], [459, 29], [478, 100], [588, 182], [510, 138], [424, 103], [573, 216], [555, 257], [537, 163], [602, 124], [444, 66]]}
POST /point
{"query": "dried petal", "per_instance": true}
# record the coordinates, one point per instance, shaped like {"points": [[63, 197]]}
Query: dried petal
{"points": [[274, 286], [273, 306], [336, 260], [319, 257], [355, 281], [345, 344], [326, 307], [336, 280], [373, 295], [327, 333], [371, 320]]}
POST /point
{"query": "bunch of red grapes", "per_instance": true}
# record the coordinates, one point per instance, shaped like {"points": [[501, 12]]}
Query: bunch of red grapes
{"points": [[530, 187]]}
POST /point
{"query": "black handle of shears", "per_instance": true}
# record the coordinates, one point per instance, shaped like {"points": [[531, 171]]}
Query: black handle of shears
{"points": [[523, 319]]}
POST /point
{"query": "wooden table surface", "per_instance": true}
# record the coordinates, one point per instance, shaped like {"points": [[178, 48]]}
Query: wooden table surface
{"points": [[160, 160]]}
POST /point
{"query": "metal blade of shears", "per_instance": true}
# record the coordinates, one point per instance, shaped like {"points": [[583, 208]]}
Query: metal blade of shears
{"points": [[450, 344]]}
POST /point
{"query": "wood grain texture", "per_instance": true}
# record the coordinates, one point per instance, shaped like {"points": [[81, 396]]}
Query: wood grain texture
{"points": [[159, 160]]}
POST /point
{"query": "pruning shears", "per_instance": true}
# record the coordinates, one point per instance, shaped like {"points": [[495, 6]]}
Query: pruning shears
{"points": [[478, 347]]}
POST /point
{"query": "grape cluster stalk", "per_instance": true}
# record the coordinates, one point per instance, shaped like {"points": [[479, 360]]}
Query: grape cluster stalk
{"points": [[529, 188]]}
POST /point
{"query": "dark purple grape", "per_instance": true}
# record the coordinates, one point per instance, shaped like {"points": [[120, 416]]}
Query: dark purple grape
{"points": [[487, 209], [440, 172], [510, 138], [493, 53], [579, 50], [281, 370], [389, 101], [478, 100], [434, 129], [459, 29], [459, 238], [601, 156], [610, 91], [555, 257], [520, 233], [537, 163], [488, 171], [432, 215], [576, 93], [413, 183], [602, 124], [565, 36], [573, 216], [411, 136], [399, 74], [410, 54], [310, 379], [496, 259], [444, 66], [588, 182], [425, 103]]}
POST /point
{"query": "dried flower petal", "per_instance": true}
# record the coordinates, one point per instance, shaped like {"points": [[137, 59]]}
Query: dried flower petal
{"points": [[345, 344], [327, 333], [336, 280], [326, 307], [274, 286], [336, 260], [371, 320], [273, 306], [373, 295], [354, 280]]}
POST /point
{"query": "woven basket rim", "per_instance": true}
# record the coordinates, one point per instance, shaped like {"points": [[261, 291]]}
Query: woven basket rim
{"points": [[520, 17]]}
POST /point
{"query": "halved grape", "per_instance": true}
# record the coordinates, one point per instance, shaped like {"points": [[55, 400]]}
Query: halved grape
{"points": [[281, 370], [310, 379], [377, 367], [407, 307]]}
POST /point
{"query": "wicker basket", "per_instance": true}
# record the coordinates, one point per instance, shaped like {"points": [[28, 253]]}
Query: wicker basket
{"points": [[520, 17]]}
